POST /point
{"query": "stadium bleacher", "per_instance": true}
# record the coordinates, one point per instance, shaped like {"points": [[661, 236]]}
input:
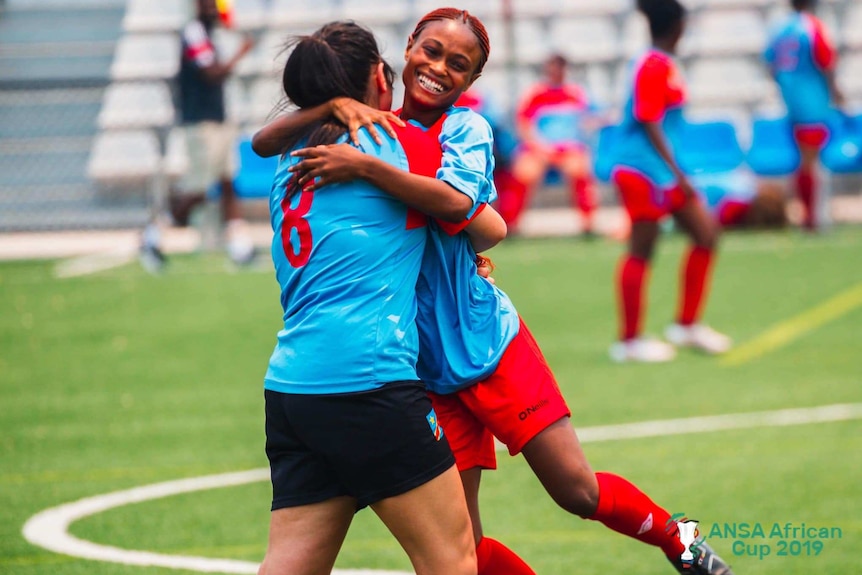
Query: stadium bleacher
{"points": [[121, 56]]}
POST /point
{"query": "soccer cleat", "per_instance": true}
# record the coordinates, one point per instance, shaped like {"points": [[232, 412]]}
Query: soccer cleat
{"points": [[706, 562], [150, 254], [152, 259], [241, 251], [699, 336], [641, 349]]}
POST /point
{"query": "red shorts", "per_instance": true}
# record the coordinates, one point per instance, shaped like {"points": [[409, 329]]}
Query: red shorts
{"points": [[732, 212], [811, 135], [643, 200], [519, 400], [556, 151]]}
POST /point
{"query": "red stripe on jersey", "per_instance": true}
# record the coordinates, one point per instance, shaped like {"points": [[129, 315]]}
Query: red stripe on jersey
{"points": [[423, 151], [423, 158], [825, 55], [658, 87], [454, 228], [546, 96], [198, 51]]}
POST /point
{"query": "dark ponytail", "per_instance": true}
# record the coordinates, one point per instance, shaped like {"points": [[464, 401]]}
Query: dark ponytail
{"points": [[334, 61]]}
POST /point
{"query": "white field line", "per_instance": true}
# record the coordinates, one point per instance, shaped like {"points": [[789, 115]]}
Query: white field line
{"points": [[777, 418], [93, 263], [49, 528]]}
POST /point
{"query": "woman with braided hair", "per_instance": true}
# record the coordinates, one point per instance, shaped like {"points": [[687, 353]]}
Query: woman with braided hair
{"points": [[352, 427], [485, 373]]}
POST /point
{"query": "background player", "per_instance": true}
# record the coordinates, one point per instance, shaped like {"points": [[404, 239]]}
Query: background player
{"points": [[802, 61], [652, 185], [550, 127]]}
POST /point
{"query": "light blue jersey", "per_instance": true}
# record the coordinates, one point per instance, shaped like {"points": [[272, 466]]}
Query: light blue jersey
{"points": [[799, 54], [347, 258], [465, 322], [656, 93]]}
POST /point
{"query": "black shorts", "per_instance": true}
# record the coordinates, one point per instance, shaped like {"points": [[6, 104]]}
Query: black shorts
{"points": [[369, 445]]}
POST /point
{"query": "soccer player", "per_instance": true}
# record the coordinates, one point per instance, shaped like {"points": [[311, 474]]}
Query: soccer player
{"points": [[651, 185], [354, 428], [549, 122], [738, 199], [802, 60], [482, 365]]}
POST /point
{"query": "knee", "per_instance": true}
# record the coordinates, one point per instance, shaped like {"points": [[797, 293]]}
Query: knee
{"points": [[708, 237], [580, 498], [642, 249], [581, 502]]}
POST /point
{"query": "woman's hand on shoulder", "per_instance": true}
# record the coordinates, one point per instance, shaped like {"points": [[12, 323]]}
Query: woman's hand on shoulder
{"points": [[356, 115], [328, 164]]}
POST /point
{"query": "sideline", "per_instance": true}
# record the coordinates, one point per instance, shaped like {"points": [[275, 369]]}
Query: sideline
{"points": [[49, 529]]}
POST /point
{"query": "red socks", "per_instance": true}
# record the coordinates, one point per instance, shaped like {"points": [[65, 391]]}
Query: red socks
{"points": [[494, 558], [630, 283], [694, 280], [584, 196], [627, 510], [806, 188], [512, 197]]}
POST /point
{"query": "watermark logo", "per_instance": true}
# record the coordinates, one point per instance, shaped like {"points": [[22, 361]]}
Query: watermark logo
{"points": [[754, 538], [689, 535]]}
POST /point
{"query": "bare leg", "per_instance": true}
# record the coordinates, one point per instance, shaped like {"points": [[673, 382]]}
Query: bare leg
{"points": [[556, 457], [696, 222], [576, 168], [305, 540], [230, 207], [432, 524], [470, 479]]}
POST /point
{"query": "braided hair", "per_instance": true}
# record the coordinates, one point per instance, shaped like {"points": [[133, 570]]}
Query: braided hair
{"points": [[465, 17]]}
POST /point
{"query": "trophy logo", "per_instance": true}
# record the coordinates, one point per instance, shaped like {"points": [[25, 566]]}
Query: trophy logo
{"points": [[687, 535]]}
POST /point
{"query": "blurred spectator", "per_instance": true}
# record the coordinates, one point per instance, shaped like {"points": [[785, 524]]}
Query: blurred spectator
{"points": [[210, 137], [510, 192], [550, 127], [802, 61]]}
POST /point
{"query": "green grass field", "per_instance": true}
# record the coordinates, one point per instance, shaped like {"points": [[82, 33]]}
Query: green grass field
{"points": [[121, 379]]}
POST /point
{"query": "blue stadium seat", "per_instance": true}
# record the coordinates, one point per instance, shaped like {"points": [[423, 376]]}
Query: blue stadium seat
{"points": [[773, 151], [843, 153], [254, 176], [709, 147]]}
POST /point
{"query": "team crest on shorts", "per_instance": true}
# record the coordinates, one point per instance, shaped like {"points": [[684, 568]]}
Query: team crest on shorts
{"points": [[435, 425]]}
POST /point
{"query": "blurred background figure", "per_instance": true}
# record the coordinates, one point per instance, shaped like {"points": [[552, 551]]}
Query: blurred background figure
{"points": [[739, 199], [511, 193], [802, 60], [651, 185], [550, 127], [209, 136]]}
